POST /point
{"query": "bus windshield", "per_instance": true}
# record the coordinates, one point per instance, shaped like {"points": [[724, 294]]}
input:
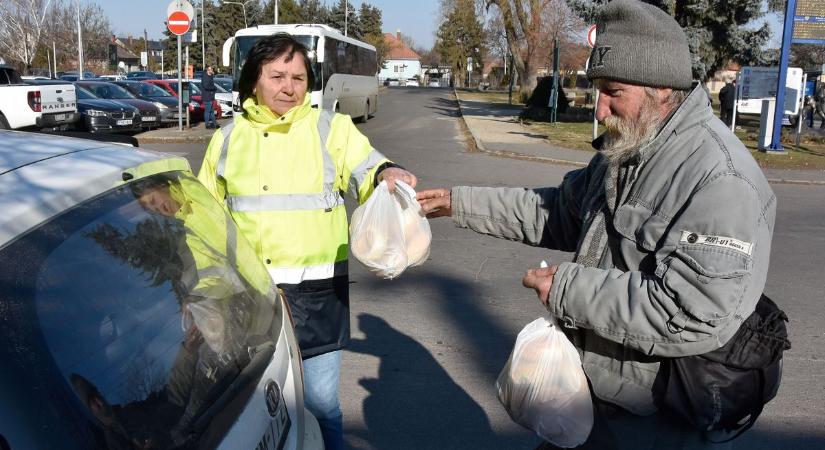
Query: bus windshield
{"points": [[244, 43]]}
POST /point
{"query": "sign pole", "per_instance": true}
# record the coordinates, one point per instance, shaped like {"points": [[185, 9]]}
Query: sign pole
{"points": [[735, 101], [180, 92], [779, 112]]}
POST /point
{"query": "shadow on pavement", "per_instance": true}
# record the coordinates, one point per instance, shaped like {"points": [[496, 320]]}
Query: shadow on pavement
{"points": [[414, 403], [445, 106]]}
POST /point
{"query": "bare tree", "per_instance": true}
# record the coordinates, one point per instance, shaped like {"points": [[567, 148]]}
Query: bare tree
{"points": [[530, 27], [21, 28], [62, 30]]}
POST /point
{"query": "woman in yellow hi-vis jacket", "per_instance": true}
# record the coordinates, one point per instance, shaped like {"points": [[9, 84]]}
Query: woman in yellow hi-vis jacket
{"points": [[281, 169]]}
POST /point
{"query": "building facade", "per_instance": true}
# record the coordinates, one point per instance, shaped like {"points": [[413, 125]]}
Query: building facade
{"points": [[401, 63]]}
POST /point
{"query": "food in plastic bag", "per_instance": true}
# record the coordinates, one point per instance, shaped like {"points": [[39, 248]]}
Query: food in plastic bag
{"points": [[417, 234], [543, 386], [389, 232]]}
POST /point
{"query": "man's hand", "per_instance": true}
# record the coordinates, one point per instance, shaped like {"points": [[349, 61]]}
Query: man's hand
{"points": [[541, 280], [435, 202], [393, 174]]}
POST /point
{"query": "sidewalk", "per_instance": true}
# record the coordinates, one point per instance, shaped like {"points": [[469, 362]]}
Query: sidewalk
{"points": [[497, 131], [198, 133]]}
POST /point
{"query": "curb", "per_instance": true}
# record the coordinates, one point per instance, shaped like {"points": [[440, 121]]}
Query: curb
{"points": [[514, 155], [507, 154]]}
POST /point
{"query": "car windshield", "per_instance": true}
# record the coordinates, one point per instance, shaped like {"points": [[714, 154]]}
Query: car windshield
{"points": [[225, 83], [108, 91], [149, 305], [84, 94], [194, 89], [151, 90]]}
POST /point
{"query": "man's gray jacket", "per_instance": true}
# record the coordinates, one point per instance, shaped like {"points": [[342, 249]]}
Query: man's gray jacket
{"points": [[671, 249]]}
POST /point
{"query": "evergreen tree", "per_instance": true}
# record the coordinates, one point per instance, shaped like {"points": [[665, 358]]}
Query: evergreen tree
{"points": [[718, 31], [459, 37], [289, 11], [372, 25], [371, 21], [314, 11], [352, 25]]}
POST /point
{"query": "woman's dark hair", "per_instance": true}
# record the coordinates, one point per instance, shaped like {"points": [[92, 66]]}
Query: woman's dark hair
{"points": [[267, 50]]}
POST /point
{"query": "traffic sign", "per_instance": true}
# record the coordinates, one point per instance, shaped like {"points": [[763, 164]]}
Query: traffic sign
{"points": [[178, 23], [180, 5], [591, 36]]}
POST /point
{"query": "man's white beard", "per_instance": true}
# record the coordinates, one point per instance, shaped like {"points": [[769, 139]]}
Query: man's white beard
{"points": [[625, 136]]}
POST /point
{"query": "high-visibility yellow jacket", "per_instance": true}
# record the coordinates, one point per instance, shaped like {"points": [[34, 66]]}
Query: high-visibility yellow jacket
{"points": [[282, 179]]}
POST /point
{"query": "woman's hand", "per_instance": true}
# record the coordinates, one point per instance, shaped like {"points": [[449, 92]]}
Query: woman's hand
{"points": [[393, 174]]}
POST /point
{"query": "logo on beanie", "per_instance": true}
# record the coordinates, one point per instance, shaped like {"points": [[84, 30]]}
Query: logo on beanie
{"points": [[600, 53]]}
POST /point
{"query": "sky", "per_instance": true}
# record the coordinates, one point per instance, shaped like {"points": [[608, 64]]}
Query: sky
{"points": [[414, 18]]}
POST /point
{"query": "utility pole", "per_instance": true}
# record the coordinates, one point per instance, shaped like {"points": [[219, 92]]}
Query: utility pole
{"points": [[54, 52], [203, 38], [276, 11], [346, 15], [146, 49], [79, 45]]}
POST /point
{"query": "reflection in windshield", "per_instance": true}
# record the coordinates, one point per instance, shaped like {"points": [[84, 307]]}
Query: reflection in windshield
{"points": [[176, 309]]}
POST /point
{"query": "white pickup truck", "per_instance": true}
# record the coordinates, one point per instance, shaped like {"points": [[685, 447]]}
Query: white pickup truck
{"points": [[35, 107]]}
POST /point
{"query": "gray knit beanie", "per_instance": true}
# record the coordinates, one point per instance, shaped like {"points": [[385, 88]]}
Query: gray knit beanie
{"points": [[639, 43]]}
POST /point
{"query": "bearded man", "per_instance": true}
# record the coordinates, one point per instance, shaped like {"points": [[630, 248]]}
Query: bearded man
{"points": [[670, 222]]}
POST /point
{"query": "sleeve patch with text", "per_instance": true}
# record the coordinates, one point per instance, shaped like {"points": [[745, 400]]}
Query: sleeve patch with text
{"points": [[717, 241]]}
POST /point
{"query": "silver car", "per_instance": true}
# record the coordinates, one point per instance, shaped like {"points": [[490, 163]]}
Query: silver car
{"points": [[132, 315]]}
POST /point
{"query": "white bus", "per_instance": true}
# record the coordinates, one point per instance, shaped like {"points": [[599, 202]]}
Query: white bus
{"points": [[345, 69]]}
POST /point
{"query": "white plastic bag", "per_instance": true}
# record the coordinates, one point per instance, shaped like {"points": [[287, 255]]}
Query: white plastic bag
{"points": [[543, 386], [389, 232]]}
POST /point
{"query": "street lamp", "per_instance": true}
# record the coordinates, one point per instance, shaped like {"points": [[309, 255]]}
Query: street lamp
{"points": [[243, 7]]}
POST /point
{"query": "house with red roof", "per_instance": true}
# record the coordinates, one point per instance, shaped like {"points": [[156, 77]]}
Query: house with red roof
{"points": [[402, 62]]}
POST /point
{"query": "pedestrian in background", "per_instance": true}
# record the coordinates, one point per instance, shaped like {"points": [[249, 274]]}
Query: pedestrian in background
{"points": [[281, 168], [820, 106], [727, 96], [808, 110], [671, 225], [208, 96]]}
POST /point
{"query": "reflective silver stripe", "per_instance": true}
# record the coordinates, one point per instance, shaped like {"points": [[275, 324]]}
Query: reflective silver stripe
{"points": [[284, 202], [226, 131], [295, 275], [324, 126], [359, 174], [325, 200], [231, 241]]}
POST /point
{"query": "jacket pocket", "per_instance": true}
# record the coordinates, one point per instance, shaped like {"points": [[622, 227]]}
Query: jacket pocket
{"points": [[636, 222], [706, 283]]}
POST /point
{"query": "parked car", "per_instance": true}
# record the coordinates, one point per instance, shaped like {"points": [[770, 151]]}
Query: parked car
{"points": [[141, 75], [224, 82], [149, 113], [116, 332], [195, 103], [223, 98], [166, 103], [391, 82], [35, 105], [99, 115], [112, 77], [434, 83], [411, 82]]}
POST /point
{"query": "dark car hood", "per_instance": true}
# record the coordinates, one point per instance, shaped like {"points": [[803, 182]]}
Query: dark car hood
{"points": [[103, 104], [142, 105]]}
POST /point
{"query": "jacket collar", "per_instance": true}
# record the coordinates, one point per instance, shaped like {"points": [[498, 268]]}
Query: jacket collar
{"points": [[262, 116]]}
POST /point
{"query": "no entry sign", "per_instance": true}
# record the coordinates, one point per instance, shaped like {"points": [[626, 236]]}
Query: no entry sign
{"points": [[178, 23], [591, 36]]}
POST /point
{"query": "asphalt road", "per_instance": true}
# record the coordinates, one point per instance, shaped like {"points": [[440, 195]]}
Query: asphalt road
{"points": [[428, 346]]}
